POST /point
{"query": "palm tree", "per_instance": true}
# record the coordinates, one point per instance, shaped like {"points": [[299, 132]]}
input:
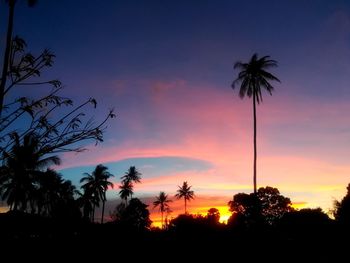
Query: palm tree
{"points": [[87, 202], [162, 201], [252, 78], [132, 175], [97, 183], [126, 190], [55, 195], [186, 193], [23, 166], [48, 192]]}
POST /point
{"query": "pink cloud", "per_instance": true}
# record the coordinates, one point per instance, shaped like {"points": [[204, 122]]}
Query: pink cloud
{"points": [[211, 123]]}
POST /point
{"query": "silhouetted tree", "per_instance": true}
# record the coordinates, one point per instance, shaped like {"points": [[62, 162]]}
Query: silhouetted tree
{"points": [[126, 190], [267, 206], [133, 176], [6, 59], [213, 215], [23, 165], [273, 204], [306, 223], [184, 223], [254, 77], [168, 211], [162, 202], [49, 192], [61, 197], [342, 209], [87, 201], [186, 193], [117, 214], [194, 226], [97, 184], [56, 131], [246, 210], [135, 215]]}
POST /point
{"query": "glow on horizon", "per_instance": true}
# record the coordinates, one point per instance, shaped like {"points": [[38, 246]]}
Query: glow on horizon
{"points": [[199, 206]]}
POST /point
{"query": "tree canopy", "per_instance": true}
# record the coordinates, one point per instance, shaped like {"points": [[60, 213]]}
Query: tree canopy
{"points": [[267, 206]]}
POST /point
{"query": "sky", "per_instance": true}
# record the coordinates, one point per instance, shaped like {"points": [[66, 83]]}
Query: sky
{"points": [[166, 67]]}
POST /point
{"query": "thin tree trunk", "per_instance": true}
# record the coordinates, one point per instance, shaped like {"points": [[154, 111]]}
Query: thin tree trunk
{"points": [[162, 220], [255, 151], [93, 214], [7, 53], [103, 210], [185, 207]]}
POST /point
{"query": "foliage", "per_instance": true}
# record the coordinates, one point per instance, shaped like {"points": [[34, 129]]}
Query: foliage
{"points": [[195, 224], [135, 215], [186, 193], [58, 124], [273, 204], [28, 186], [213, 215], [253, 76], [22, 172], [267, 206], [95, 187], [132, 175], [246, 210], [342, 209], [305, 224], [126, 190], [117, 214], [162, 202]]}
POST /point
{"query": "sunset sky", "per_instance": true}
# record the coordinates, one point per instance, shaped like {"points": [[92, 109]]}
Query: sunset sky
{"points": [[167, 67]]}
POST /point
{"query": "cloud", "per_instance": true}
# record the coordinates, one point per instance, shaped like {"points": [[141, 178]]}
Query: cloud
{"points": [[302, 144], [150, 167]]}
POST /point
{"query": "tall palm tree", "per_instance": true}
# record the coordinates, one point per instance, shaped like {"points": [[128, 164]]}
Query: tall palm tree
{"points": [[23, 166], [186, 193], [126, 190], [6, 58], [97, 183], [162, 201], [253, 77]]}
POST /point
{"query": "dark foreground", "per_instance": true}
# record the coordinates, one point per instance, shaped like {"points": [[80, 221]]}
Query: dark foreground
{"points": [[36, 238]]}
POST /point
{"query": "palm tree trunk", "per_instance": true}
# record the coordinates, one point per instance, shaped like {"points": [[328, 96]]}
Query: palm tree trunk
{"points": [[185, 207], [103, 210], [7, 53], [255, 151], [93, 214]]}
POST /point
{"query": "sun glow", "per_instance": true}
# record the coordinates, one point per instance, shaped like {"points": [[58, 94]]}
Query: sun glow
{"points": [[200, 211]]}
